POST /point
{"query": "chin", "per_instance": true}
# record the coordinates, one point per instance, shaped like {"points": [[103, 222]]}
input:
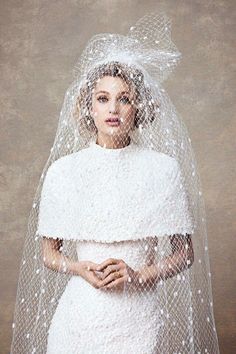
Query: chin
{"points": [[112, 130]]}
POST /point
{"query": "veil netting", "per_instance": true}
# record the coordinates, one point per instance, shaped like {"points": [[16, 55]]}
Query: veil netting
{"points": [[138, 201]]}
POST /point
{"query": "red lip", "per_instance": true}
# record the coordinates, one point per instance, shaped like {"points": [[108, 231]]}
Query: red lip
{"points": [[113, 119]]}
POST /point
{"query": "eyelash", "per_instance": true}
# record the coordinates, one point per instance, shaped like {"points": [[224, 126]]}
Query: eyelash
{"points": [[101, 99]]}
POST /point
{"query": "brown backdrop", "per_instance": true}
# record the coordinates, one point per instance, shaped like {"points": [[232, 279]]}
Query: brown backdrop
{"points": [[41, 41]]}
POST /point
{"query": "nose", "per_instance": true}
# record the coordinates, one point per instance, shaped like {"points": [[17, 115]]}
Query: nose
{"points": [[113, 107]]}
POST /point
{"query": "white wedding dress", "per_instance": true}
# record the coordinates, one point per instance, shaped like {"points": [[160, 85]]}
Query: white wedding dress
{"points": [[111, 202], [89, 320]]}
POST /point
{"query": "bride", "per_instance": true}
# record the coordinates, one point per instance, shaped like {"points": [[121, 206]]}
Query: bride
{"points": [[109, 258], [118, 262]]}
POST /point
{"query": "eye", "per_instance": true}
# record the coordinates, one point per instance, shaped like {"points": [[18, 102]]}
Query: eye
{"points": [[125, 99], [102, 99]]}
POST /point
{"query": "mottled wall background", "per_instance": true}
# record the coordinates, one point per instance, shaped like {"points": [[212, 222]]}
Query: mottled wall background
{"points": [[40, 43]]}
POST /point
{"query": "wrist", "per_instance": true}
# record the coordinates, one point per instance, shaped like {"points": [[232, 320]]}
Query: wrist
{"points": [[149, 274], [78, 268]]}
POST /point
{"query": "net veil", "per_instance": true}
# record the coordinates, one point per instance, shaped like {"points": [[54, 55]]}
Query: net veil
{"points": [[116, 257]]}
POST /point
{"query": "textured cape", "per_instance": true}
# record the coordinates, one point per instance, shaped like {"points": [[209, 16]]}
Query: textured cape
{"points": [[109, 195]]}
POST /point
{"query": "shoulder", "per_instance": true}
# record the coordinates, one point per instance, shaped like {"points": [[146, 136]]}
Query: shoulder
{"points": [[59, 164], [65, 164], [159, 159]]}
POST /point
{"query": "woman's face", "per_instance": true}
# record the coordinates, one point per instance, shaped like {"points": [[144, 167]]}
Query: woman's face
{"points": [[112, 99]]}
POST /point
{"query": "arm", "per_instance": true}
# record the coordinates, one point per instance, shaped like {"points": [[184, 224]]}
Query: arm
{"points": [[54, 259], [181, 258]]}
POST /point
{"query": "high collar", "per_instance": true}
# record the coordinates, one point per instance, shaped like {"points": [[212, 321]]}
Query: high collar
{"points": [[111, 151]]}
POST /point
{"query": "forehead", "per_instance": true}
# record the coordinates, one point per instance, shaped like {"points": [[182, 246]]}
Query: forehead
{"points": [[111, 84]]}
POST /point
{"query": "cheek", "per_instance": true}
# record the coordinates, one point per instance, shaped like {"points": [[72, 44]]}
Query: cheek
{"points": [[98, 109], [129, 112]]}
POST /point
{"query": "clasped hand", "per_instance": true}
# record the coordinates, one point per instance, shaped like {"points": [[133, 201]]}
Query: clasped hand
{"points": [[111, 274]]}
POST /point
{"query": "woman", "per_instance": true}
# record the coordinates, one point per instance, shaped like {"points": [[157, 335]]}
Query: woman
{"points": [[120, 212]]}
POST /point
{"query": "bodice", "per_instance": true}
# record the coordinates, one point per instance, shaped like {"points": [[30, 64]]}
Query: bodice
{"points": [[135, 253]]}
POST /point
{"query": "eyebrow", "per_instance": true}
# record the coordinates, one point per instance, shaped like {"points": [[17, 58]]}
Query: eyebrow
{"points": [[108, 92]]}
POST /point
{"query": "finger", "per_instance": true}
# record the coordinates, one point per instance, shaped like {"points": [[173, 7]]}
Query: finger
{"points": [[109, 278], [109, 269], [107, 262], [92, 266], [99, 275], [114, 283], [120, 282], [94, 280]]}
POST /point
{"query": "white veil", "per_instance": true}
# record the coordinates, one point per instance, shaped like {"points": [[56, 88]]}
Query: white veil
{"points": [[184, 303]]}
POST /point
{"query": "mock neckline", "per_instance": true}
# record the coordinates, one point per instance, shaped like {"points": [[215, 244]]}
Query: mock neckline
{"points": [[111, 151]]}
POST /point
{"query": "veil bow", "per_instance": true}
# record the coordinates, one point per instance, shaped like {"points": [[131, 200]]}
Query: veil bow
{"points": [[148, 45]]}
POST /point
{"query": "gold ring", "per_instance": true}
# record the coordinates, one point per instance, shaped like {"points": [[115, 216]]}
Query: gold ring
{"points": [[117, 274]]}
